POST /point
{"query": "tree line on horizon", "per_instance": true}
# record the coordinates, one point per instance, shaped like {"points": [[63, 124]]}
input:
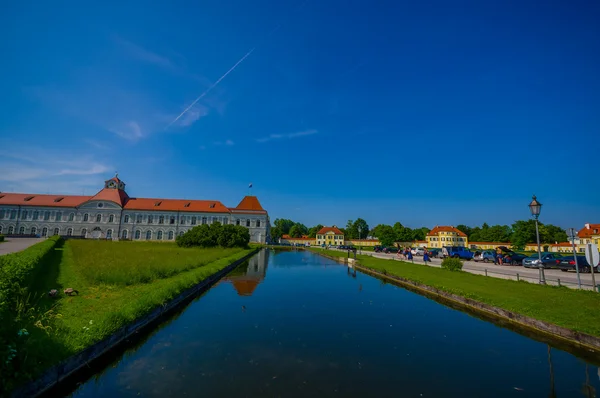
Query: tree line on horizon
{"points": [[518, 234]]}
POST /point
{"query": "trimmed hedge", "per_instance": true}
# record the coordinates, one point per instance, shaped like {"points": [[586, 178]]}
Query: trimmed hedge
{"points": [[215, 235], [452, 264]]}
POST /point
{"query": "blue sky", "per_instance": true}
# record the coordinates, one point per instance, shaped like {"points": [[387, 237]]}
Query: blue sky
{"points": [[421, 112]]}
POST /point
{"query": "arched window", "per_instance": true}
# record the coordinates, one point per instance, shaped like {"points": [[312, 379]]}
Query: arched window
{"points": [[248, 223], [148, 235], [36, 215], [170, 235], [159, 235], [180, 233], [124, 234], [44, 231], [56, 231], [111, 218], [11, 230], [161, 219], [98, 217], [33, 230], [257, 223], [23, 215], [126, 219], [69, 231], [150, 219], [46, 215], [109, 234], [84, 232], [237, 222], [71, 216], [172, 220], [86, 217], [137, 234], [58, 216], [204, 220], [139, 218], [22, 231], [194, 220]]}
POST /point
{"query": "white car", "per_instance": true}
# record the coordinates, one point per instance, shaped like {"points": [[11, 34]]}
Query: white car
{"points": [[419, 251]]}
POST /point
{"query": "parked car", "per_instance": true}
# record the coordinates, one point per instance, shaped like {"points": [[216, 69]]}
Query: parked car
{"points": [[548, 260], [457, 252], [568, 264], [485, 256], [378, 249], [435, 253], [417, 251], [391, 249], [513, 258]]}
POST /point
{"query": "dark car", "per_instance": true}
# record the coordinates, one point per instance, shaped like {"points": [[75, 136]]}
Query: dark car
{"points": [[390, 250], [568, 264], [513, 258], [435, 253], [548, 260], [378, 249]]}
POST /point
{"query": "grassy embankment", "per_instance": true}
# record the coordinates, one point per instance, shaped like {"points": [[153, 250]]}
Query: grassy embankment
{"points": [[562, 306], [117, 283]]}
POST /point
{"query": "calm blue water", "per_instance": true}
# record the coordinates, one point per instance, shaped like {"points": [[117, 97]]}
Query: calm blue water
{"points": [[292, 324]]}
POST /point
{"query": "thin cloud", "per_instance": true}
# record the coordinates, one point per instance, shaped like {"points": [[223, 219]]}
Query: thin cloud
{"points": [[288, 136], [142, 54], [130, 131], [94, 169], [229, 142]]}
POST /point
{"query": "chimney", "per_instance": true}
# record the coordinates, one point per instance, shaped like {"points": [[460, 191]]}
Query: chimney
{"points": [[587, 226]]}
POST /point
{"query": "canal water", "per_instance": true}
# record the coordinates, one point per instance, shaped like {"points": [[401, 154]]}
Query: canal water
{"points": [[293, 324]]}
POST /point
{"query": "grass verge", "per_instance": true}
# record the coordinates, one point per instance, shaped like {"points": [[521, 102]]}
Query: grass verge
{"points": [[562, 306], [118, 282]]}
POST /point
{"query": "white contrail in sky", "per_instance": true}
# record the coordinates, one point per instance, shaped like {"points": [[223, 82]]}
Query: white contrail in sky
{"points": [[211, 87]]}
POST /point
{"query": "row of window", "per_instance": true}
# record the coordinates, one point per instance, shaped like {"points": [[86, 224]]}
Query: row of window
{"points": [[330, 236], [447, 239], [193, 220], [109, 233]]}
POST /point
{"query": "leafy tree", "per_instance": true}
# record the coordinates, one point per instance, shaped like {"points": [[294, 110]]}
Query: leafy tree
{"points": [[378, 229], [297, 230], [276, 233], [284, 225], [552, 234], [350, 232], [352, 229], [312, 232], [463, 228], [523, 232], [403, 234], [420, 233], [386, 235]]}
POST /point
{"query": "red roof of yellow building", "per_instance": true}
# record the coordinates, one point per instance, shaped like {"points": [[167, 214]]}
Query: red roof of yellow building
{"points": [[335, 230], [445, 228], [588, 230]]}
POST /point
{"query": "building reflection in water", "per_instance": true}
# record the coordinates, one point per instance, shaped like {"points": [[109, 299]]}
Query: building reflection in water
{"points": [[249, 275]]}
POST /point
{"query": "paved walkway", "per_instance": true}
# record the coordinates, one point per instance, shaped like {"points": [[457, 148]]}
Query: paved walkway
{"points": [[12, 245], [553, 276]]}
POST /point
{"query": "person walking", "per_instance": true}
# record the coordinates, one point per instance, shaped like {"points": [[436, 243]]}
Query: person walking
{"points": [[426, 255]]}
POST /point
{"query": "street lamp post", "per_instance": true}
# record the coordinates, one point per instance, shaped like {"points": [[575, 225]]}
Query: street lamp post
{"points": [[572, 235], [535, 208]]}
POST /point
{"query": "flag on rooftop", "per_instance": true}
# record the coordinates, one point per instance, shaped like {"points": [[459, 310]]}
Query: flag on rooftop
{"points": [[250, 186]]}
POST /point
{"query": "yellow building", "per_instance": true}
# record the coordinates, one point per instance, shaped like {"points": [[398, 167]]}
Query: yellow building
{"points": [[590, 233], [363, 242], [304, 240], [441, 236], [488, 245], [330, 236]]}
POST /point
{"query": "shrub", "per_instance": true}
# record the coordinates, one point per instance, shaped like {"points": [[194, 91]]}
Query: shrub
{"points": [[452, 264], [215, 235]]}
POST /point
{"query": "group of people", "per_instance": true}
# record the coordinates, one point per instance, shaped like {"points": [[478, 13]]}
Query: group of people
{"points": [[405, 253]]}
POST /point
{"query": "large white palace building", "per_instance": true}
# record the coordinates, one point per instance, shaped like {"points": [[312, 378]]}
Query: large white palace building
{"points": [[112, 214]]}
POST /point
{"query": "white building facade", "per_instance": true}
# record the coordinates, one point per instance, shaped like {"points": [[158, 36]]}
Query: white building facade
{"points": [[112, 214]]}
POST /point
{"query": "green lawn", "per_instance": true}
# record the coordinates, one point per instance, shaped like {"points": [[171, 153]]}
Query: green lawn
{"points": [[574, 309], [117, 283]]}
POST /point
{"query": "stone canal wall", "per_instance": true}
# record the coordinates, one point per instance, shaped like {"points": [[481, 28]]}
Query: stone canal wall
{"points": [[70, 366], [544, 330]]}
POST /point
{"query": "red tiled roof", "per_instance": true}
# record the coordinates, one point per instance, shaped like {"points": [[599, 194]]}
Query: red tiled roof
{"points": [[207, 206], [117, 196], [490, 243], [445, 228], [335, 230], [588, 232], [304, 237], [250, 203], [42, 200]]}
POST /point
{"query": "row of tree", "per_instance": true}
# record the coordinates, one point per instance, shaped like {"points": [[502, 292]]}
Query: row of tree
{"points": [[518, 234]]}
